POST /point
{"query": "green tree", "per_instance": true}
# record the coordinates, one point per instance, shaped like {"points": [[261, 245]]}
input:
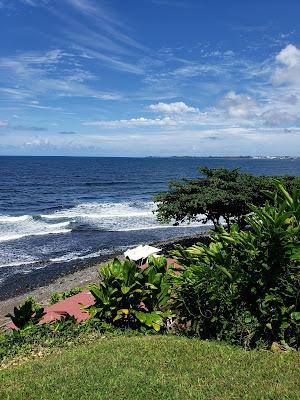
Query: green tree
{"points": [[218, 194]]}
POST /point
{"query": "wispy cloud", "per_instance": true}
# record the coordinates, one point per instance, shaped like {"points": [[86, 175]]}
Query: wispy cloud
{"points": [[36, 74], [100, 35], [96, 29], [109, 60], [133, 122], [35, 104], [15, 93], [109, 22]]}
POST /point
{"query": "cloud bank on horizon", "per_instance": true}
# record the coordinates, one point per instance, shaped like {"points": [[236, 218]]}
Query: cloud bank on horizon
{"points": [[149, 77]]}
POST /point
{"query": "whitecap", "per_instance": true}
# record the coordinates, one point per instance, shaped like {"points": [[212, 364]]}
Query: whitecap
{"points": [[9, 237], [9, 218], [122, 216]]}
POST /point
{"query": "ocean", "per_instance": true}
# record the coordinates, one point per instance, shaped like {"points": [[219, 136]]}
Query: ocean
{"points": [[57, 213]]}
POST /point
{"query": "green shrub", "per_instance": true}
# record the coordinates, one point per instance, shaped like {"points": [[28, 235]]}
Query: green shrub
{"points": [[245, 286], [58, 296], [128, 296], [29, 313]]}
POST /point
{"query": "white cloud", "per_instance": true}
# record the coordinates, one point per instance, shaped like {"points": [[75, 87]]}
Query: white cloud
{"points": [[170, 108], [133, 122], [3, 124], [290, 56], [238, 105], [246, 110], [289, 70], [39, 141]]}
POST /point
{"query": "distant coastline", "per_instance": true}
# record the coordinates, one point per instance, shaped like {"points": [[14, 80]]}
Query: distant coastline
{"points": [[240, 157], [234, 157]]}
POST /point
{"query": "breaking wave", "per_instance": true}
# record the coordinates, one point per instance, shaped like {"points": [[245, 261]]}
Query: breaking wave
{"points": [[13, 228], [123, 216]]}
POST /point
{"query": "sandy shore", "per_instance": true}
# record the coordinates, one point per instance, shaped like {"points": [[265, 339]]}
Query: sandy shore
{"points": [[81, 278]]}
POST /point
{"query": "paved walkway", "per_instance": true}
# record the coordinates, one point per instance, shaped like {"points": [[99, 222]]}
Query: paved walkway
{"points": [[72, 305]]}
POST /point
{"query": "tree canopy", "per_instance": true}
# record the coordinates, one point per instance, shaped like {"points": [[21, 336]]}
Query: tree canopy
{"points": [[218, 195]]}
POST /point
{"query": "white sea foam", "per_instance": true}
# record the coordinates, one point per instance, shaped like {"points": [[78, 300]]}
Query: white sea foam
{"points": [[60, 224], [149, 227], [123, 216], [8, 237], [109, 216], [77, 256], [20, 263], [105, 210], [12, 228], [9, 218], [71, 256]]}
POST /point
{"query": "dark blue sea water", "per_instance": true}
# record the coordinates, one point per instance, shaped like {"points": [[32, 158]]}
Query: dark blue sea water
{"points": [[58, 212]]}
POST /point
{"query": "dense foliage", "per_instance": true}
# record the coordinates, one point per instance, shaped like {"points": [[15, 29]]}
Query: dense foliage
{"points": [[128, 296], [218, 195], [245, 286]]}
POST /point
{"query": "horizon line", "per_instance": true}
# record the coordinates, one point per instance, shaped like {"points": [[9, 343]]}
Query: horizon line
{"points": [[154, 156]]}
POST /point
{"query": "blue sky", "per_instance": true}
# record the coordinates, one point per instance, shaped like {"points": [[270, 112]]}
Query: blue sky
{"points": [[149, 77]]}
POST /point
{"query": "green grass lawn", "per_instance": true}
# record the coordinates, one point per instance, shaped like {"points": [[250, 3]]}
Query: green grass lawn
{"points": [[158, 367]]}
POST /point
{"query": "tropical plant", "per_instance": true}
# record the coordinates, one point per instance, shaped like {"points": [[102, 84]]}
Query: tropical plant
{"points": [[27, 314], [219, 195], [245, 286], [128, 296]]}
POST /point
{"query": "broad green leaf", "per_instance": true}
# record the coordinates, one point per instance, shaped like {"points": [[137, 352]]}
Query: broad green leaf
{"points": [[156, 327]]}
